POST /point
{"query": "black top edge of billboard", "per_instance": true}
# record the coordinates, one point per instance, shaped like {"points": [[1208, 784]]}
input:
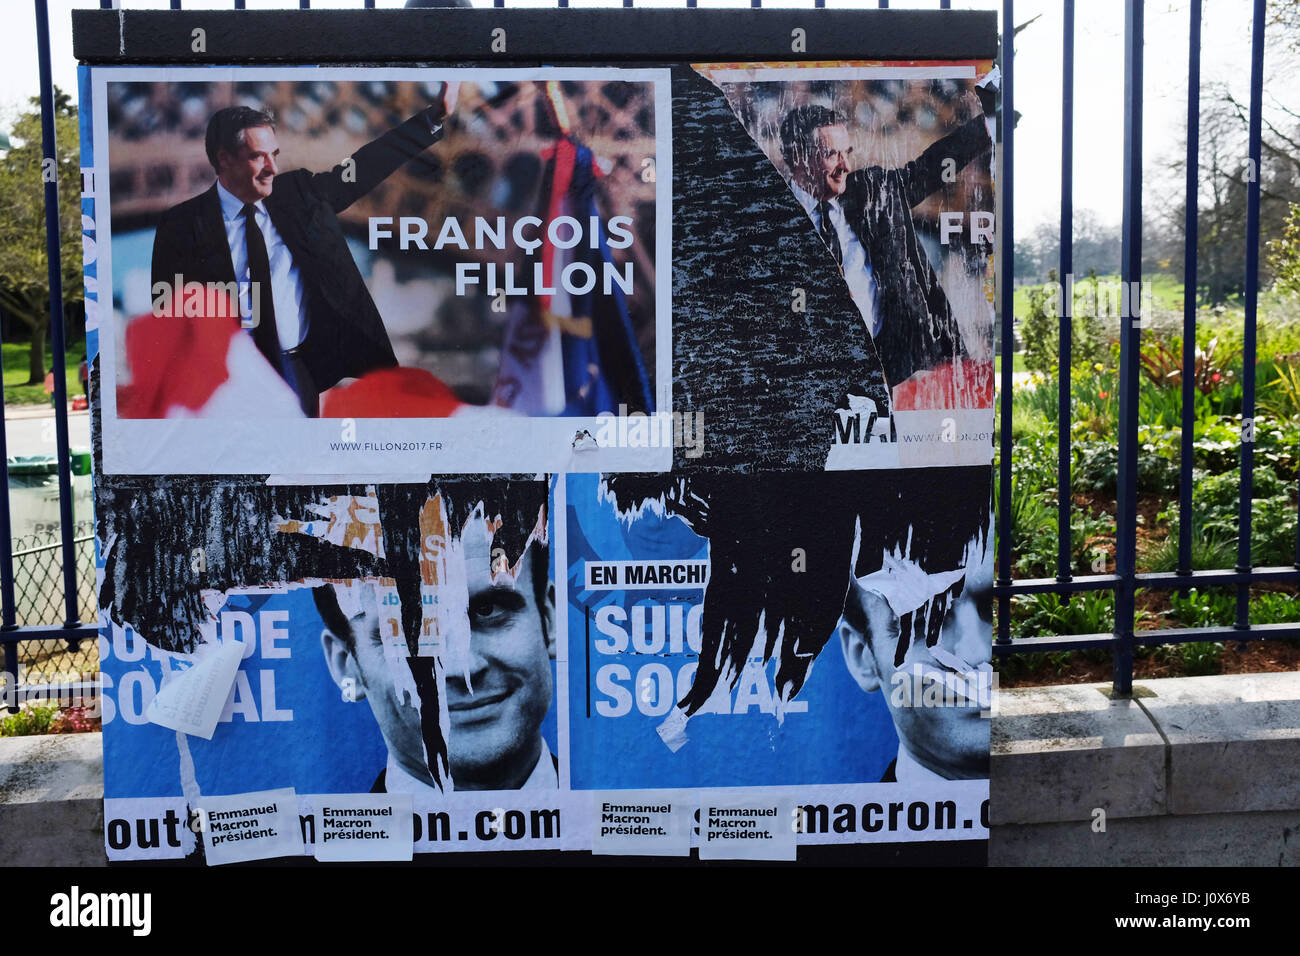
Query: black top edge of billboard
{"points": [[591, 35]]}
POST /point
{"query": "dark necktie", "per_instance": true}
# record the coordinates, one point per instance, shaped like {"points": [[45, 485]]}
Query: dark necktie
{"points": [[259, 271], [828, 233]]}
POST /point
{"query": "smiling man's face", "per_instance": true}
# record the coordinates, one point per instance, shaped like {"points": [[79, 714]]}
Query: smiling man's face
{"points": [[250, 173], [496, 706], [495, 703], [824, 172]]}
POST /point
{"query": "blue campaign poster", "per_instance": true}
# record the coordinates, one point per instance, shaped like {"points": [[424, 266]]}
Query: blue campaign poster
{"points": [[631, 659]]}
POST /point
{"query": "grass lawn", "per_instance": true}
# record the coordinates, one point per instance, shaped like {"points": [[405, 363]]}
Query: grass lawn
{"points": [[1166, 291], [1017, 363], [16, 374]]}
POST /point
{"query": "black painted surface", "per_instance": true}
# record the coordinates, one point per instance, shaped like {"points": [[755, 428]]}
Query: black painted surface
{"points": [[321, 36], [767, 379]]}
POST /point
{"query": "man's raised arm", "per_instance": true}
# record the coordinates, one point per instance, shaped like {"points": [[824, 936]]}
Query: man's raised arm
{"points": [[380, 158], [924, 175]]}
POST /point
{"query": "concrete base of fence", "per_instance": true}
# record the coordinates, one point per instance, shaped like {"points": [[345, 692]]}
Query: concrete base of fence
{"points": [[52, 800], [1191, 771], [1198, 771]]}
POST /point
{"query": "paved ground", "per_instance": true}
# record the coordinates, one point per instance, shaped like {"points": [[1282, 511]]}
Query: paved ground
{"points": [[29, 430]]}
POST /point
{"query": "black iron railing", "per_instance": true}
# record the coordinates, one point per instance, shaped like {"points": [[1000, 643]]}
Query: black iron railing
{"points": [[1126, 580]]}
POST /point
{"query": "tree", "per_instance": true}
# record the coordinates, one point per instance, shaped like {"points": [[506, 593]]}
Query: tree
{"points": [[1284, 255], [24, 269], [1224, 175], [1221, 203], [1040, 326], [1221, 216], [1095, 247]]}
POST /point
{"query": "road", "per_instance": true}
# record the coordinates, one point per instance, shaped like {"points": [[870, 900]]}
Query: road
{"points": [[29, 430], [34, 502]]}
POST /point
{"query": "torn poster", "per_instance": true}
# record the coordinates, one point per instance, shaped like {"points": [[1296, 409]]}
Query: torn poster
{"points": [[192, 700], [396, 639], [787, 614], [842, 635], [370, 271], [842, 316]]}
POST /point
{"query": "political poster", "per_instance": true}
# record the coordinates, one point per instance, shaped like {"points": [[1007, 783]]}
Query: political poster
{"points": [[785, 632], [394, 640], [842, 314], [804, 672], [332, 271]]}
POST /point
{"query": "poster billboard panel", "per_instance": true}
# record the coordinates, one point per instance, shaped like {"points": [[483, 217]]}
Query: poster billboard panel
{"points": [[704, 576]]}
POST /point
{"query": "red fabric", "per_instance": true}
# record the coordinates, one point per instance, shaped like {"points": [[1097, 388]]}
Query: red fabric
{"points": [[961, 384], [566, 154], [391, 393], [174, 360]]}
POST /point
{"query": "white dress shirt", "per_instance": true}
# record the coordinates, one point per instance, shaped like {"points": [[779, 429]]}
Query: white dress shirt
{"points": [[286, 284], [908, 770], [857, 271], [543, 776]]}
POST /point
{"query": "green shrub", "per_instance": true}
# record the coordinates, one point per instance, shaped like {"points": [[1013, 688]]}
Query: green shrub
{"points": [[1033, 540], [1036, 547], [1222, 491], [1274, 608], [1160, 406], [1096, 466], [1278, 333], [1210, 607], [1088, 612], [1198, 658], [1096, 388], [1209, 552], [1040, 328], [1278, 383], [1036, 401], [1272, 509], [1217, 445], [1033, 464], [1273, 531], [30, 720]]}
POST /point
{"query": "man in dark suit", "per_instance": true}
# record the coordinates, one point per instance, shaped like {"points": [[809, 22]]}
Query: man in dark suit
{"points": [[313, 319], [865, 218]]}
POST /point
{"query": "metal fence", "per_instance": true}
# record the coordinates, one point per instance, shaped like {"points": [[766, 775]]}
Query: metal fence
{"points": [[1126, 579], [70, 629], [1123, 583], [38, 599]]}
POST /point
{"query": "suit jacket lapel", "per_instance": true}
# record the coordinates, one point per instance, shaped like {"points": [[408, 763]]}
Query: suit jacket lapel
{"points": [[210, 235]]}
